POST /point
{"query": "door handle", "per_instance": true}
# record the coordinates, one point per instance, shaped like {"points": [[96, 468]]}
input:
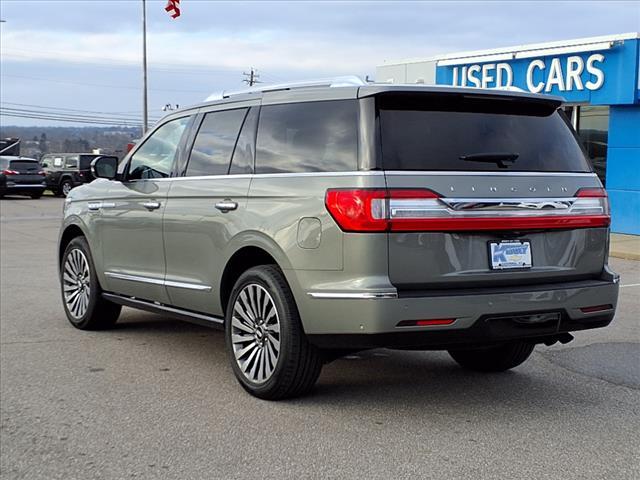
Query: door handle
{"points": [[151, 205], [226, 206]]}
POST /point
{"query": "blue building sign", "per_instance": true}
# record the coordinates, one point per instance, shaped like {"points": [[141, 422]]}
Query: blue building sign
{"points": [[600, 80]]}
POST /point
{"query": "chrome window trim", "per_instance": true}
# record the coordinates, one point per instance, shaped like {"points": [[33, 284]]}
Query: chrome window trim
{"points": [[272, 175], [428, 173], [354, 295], [158, 281]]}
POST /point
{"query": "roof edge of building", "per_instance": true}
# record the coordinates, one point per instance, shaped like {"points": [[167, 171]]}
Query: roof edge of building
{"points": [[518, 48]]}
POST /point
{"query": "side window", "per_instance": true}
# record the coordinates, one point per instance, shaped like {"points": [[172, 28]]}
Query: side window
{"points": [[308, 137], [155, 157], [85, 161], [214, 143], [71, 162], [243, 154]]}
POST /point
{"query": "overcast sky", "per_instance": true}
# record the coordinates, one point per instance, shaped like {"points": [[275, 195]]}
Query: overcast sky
{"points": [[85, 54]]}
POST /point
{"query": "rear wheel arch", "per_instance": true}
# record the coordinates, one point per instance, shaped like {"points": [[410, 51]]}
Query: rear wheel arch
{"points": [[242, 260]]}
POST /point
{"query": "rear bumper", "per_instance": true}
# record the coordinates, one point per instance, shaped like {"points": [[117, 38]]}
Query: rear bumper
{"points": [[482, 318], [23, 188]]}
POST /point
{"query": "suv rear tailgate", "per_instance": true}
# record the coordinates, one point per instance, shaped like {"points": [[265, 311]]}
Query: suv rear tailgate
{"points": [[470, 171], [440, 259]]}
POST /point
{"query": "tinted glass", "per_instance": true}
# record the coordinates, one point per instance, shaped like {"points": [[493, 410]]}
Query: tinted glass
{"points": [[307, 137], [243, 154], [85, 161], [24, 165], [154, 159], [467, 133], [214, 143]]}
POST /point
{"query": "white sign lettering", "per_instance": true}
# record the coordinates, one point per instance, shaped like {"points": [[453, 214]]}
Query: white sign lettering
{"points": [[561, 74]]}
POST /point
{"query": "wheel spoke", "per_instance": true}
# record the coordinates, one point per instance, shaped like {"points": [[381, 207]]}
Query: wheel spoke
{"points": [[238, 308], [247, 307], [235, 321]]}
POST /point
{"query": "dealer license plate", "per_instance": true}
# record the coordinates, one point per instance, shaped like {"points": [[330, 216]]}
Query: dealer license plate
{"points": [[510, 254]]}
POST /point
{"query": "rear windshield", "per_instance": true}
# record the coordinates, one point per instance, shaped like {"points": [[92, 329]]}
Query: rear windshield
{"points": [[465, 132], [24, 165]]}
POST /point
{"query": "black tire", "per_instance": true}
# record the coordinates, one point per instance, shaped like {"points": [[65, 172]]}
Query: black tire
{"points": [[65, 185], [100, 314], [298, 362], [493, 359]]}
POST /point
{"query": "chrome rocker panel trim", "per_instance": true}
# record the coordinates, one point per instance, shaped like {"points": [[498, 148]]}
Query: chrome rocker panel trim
{"points": [[159, 281]]}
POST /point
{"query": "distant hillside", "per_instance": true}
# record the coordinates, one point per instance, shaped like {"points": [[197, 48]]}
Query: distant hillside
{"points": [[36, 141]]}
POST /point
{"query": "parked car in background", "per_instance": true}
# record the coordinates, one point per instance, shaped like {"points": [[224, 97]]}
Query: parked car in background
{"points": [[65, 171], [21, 176], [313, 220]]}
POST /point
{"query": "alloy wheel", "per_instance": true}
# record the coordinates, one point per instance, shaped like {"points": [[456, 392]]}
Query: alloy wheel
{"points": [[255, 333], [76, 283]]}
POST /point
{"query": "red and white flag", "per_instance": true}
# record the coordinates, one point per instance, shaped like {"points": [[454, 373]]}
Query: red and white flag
{"points": [[173, 8]]}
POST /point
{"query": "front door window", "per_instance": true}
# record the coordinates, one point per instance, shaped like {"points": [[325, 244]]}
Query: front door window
{"points": [[154, 159]]}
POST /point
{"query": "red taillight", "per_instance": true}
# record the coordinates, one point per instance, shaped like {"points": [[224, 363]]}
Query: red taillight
{"points": [[359, 210], [596, 308], [42, 172], [10, 172], [426, 323], [591, 192], [423, 210]]}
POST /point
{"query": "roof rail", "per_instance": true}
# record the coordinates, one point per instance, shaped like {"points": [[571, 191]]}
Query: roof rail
{"points": [[346, 81]]}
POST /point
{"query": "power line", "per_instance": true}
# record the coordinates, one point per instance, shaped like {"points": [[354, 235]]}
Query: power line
{"points": [[41, 79], [123, 113], [91, 122], [53, 115]]}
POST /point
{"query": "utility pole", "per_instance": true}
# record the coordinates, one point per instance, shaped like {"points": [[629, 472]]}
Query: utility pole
{"points": [[145, 112], [252, 77]]}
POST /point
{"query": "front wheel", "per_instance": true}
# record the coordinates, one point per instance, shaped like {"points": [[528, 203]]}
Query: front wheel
{"points": [[269, 352], [493, 359], [81, 292]]}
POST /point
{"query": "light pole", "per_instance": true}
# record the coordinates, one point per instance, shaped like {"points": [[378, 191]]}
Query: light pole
{"points": [[145, 112]]}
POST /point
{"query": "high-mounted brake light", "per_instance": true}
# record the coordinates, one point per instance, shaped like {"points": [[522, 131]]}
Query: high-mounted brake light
{"points": [[423, 210]]}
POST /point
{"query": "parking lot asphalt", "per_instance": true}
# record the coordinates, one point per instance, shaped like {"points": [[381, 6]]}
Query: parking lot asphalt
{"points": [[156, 398]]}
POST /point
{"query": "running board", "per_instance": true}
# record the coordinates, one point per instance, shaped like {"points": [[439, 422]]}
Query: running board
{"points": [[186, 315]]}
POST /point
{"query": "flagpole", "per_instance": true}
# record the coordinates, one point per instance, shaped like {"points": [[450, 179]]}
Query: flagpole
{"points": [[145, 113]]}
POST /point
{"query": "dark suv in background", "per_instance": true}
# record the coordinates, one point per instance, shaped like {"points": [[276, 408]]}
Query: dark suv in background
{"points": [[21, 176], [65, 171]]}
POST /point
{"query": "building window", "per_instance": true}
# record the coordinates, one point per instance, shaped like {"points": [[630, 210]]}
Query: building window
{"points": [[593, 128]]}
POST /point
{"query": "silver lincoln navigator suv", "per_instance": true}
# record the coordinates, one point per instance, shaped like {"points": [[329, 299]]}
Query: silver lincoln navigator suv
{"points": [[315, 219]]}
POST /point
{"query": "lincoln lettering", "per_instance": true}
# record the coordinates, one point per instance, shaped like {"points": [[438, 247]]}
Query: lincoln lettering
{"points": [[542, 76]]}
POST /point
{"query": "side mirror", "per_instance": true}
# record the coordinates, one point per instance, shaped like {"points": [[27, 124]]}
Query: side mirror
{"points": [[45, 165], [104, 167]]}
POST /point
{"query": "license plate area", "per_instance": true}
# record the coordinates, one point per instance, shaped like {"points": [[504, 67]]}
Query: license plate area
{"points": [[510, 254]]}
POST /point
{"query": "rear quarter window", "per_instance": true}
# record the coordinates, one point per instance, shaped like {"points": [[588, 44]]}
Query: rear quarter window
{"points": [[307, 137], [442, 132]]}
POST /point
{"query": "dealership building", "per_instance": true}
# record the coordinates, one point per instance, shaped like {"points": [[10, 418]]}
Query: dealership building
{"points": [[600, 79]]}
